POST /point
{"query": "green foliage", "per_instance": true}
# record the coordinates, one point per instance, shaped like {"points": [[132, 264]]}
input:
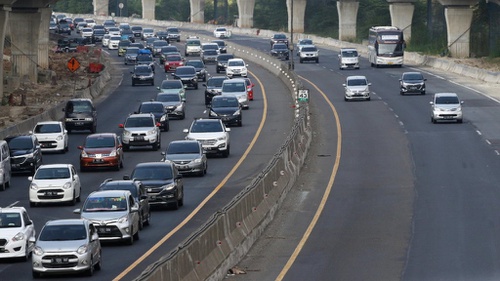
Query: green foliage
{"points": [[74, 6], [271, 14]]}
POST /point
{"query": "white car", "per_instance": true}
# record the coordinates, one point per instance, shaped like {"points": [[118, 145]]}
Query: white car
{"points": [[54, 183], [52, 136], [348, 58], [309, 53], [105, 40], [356, 88], [236, 67], [140, 130], [446, 107], [16, 228], [113, 42], [66, 246], [114, 31], [212, 134], [147, 33], [222, 32], [236, 87], [90, 22], [87, 32]]}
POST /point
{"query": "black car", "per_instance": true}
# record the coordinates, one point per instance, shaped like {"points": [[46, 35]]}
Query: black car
{"points": [[98, 35], [165, 51], [158, 110], [25, 153], [227, 108], [163, 183], [279, 38], [63, 26], [280, 51], [137, 30], [222, 46], [139, 193], [80, 114], [162, 35], [221, 61], [143, 74], [213, 87], [173, 103], [412, 82], [188, 76], [145, 59], [200, 68]]}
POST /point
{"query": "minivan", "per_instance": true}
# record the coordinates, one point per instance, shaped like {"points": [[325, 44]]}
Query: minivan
{"points": [[236, 87], [80, 114], [5, 168], [348, 58]]}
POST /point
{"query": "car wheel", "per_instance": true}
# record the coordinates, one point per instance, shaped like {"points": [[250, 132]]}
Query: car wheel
{"points": [[218, 71], [78, 199], [90, 271], [368, 98], [345, 99], [317, 60], [433, 120], [148, 219], [225, 154], [141, 222], [196, 86], [32, 204], [240, 123], [121, 162], [301, 61], [401, 93], [98, 265], [422, 93], [155, 146], [36, 275], [72, 202], [133, 83]]}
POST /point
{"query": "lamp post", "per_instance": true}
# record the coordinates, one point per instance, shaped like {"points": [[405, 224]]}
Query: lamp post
{"points": [[292, 65]]}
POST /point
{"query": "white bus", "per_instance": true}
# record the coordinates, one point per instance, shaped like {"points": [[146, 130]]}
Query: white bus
{"points": [[385, 46]]}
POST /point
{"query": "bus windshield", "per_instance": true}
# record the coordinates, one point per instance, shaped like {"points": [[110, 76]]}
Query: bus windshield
{"points": [[390, 49]]}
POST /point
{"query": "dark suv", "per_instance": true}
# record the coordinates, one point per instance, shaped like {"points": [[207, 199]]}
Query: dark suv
{"points": [[280, 51], [163, 183], [25, 153], [80, 114], [143, 74], [221, 61], [138, 192], [412, 82], [158, 110], [188, 76]]}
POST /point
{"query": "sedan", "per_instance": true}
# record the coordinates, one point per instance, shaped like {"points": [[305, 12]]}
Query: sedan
{"points": [[172, 62], [188, 76], [188, 156]]}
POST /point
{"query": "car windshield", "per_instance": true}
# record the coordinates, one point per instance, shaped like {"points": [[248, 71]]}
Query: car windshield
{"points": [[160, 43], [101, 141], [152, 173], [210, 53], [138, 122], [148, 30], [231, 87], [220, 43], [279, 36], [349, 54], [115, 38], [224, 57], [356, 82], [224, 102], [206, 127], [105, 204], [168, 98], [193, 43], [447, 100], [183, 148], [151, 107], [236, 63], [215, 82], [130, 187], [63, 232], [124, 43], [309, 49], [171, 85], [306, 42], [10, 220], [221, 29], [413, 76], [20, 144], [136, 28], [47, 128], [174, 58], [52, 173], [187, 70], [169, 49], [79, 107], [211, 47], [143, 70], [173, 30]]}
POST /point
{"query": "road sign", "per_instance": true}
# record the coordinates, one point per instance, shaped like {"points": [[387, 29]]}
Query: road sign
{"points": [[120, 5], [73, 64], [303, 95]]}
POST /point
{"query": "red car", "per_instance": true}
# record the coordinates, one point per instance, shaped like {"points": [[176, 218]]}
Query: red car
{"points": [[172, 62], [250, 86], [101, 150]]}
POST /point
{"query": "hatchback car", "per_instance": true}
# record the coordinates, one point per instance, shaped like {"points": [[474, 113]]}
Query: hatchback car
{"points": [[188, 156], [173, 87], [143, 74], [348, 58], [172, 61], [356, 88], [115, 214], [446, 107], [280, 51], [131, 55], [158, 110], [66, 246], [226, 108], [16, 231], [187, 75], [201, 70], [52, 136], [412, 82], [236, 67], [138, 191], [213, 135], [25, 153], [80, 114], [141, 130], [163, 182], [250, 86], [173, 103], [103, 150], [213, 87], [55, 183]]}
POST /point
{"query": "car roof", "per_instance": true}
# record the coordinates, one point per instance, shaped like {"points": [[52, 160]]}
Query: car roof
{"points": [[356, 77], [48, 122], [184, 141], [66, 222], [109, 193], [49, 166], [152, 102], [99, 135], [445, 95], [137, 115], [155, 164], [234, 80], [12, 209]]}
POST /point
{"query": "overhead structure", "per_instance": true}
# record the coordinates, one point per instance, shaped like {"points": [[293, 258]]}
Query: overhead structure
{"points": [[348, 15], [402, 15]]}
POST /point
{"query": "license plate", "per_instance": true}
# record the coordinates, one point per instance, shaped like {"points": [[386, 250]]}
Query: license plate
{"points": [[389, 62], [50, 193], [153, 197], [60, 260], [105, 229], [98, 160], [140, 138], [79, 123]]}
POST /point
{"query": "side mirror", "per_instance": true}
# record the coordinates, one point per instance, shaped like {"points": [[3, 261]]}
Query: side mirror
{"points": [[158, 124], [228, 129], [185, 131], [32, 240], [30, 178], [121, 126], [80, 147], [77, 211], [431, 102], [343, 85], [157, 88]]}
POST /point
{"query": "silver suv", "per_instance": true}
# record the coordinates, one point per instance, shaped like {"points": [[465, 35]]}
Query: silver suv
{"points": [[213, 135], [446, 106], [356, 88], [309, 53], [141, 130]]}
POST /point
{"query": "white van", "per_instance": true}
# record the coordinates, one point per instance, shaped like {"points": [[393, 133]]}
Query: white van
{"points": [[348, 58], [5, 170]]}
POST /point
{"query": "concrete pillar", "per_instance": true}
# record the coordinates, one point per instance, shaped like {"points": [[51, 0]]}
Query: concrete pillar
{"points": [[245, 13], [4, 21], [348, 13], [101, 7], [43, 38], [25, 30], [401, 16], [197, 11], [458, 22], [299, 11], [148, 9]]}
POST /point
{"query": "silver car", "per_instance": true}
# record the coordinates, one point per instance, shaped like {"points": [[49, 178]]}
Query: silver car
{"points": [[356, 88], [188, 156], [66, 246], [115, 214], [446, 107]]}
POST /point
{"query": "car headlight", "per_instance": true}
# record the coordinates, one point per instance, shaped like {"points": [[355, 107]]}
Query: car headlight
{"points": [[244, 69], [18, 237], [197, 160], [123, 219], [190, 138], [169, 186], [84, 154], [38, 251], [33, 186], [163, 118], [59, 138], [127, 133], [67, 185], [68, 119], [237, 112], [221, 138], [113, 153], [83, 249], [151, 132], [89, 119]]}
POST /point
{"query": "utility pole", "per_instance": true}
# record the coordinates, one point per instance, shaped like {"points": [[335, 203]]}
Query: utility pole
{"points": [[215, 11], [292, 64]]}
